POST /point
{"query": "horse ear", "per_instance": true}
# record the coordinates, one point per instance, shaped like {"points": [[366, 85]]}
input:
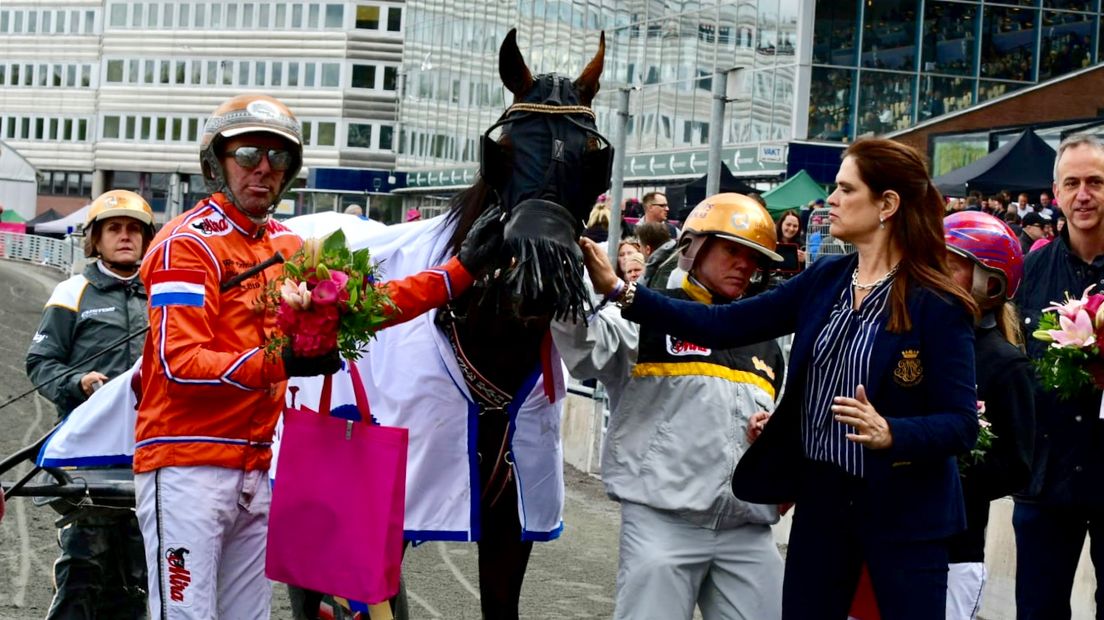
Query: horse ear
{"points": [[511, 66], [587, 83]]}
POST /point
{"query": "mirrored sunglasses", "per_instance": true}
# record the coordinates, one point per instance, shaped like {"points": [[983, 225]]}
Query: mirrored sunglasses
{"points": [[250, 157]]}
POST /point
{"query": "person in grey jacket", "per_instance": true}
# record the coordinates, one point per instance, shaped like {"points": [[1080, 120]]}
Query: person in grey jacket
{"points": [[101, 572], [680, 420]]}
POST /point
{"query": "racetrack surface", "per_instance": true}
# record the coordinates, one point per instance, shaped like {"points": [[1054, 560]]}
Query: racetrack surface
{"points": [[569, 578]]}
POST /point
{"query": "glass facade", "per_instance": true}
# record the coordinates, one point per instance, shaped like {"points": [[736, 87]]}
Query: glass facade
{"points": [[667, 49], [887, 65]]}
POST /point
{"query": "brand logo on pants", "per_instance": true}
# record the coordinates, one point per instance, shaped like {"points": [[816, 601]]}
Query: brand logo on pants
{"points": [[179, 576]]}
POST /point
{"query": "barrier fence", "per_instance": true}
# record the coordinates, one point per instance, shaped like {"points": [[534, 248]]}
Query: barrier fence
{"points": [[60, 254]]}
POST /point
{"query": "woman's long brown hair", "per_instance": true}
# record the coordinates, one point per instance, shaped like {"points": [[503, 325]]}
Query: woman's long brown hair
{"points": [[916, 227]]}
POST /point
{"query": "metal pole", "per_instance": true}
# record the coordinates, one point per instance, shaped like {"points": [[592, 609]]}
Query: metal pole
{"points": [[716, 133], [621, 139]]}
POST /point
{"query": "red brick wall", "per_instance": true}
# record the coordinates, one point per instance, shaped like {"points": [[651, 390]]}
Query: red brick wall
{"points": [[62, 204], [1072, 98]]}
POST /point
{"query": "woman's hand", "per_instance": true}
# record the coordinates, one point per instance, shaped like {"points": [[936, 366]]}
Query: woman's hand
{"points": [[598, 266], [872, 430], [755, 425]]}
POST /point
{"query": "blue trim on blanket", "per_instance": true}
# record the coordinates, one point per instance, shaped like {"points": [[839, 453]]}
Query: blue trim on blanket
{"points": [[543, 536], [418, 537], [514, 408], [473, 470]]}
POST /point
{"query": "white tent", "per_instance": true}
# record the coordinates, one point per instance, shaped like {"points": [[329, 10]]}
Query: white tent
{"points": [[18, 182], [68, 224]]}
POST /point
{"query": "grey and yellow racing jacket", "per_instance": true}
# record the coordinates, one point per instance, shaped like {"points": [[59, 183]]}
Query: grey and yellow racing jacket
{"points": [[679, 412], [85, 314]]}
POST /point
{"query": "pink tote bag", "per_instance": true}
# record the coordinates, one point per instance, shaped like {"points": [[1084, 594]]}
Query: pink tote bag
{"points": [[336, 522]]}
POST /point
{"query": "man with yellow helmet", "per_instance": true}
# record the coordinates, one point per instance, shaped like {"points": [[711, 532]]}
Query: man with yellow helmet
{"points": [[101, 572], [681, 418]]}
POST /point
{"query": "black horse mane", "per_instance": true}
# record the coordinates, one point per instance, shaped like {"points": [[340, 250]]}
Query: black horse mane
{"points": [[464, 208]]}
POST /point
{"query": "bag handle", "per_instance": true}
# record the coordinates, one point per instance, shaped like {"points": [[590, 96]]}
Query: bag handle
{"points": [[361, 395]]}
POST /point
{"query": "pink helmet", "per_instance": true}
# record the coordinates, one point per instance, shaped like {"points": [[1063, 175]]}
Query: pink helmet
{"points": [[989, 243]]}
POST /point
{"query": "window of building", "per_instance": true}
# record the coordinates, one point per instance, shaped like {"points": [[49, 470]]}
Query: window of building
{"points": [[243, 73], [394, 19], [146, 128], [201, 15], [312, 16], [360, 135], [48, 22], [181, 72], [39, 128], [293, 74], [367, 17], [71, 76], [327, 133], [136, 14], [163, 74], [67, 129], [306, 129], [184, 16], [216, 15], [5, 20], [32, 21], [17, 26], [227, 72], [111, 127], [364, 76], [263, 15], [277, 74], [59, 183], [335, 16], [281, 16], [131, 125], [247, 15], [115, 71], [132, 74], [309, 71], [167, 16], [57, 75], [259, 72], [296, 15], [82, 129], [386, 137], [390, 78], [54, 128], [193, 129], [177, 126], [331, 75], [232, 16], [86, 76], [151, 15]]}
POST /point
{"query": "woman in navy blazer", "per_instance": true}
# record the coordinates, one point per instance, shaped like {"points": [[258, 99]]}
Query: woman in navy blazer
{"points": [[879, 398]]}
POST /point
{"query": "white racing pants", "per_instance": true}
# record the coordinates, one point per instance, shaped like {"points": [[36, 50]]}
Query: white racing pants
{"points": [[965, 582], [205, 530], [668, 565]]}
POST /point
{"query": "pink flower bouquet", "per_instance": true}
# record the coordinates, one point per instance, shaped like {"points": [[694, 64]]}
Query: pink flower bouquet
{"points": [[326, 299], [1074, 330]]}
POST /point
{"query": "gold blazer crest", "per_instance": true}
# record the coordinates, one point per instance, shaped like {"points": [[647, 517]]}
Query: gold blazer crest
{"points": [[909, 370]]}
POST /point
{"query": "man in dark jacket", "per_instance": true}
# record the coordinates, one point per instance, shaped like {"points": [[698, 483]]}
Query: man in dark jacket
{"points": [[1064, 500], [1031, 230], [101, 572]]}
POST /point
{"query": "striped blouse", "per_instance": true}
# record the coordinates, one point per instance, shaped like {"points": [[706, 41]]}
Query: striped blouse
{"points": [[840, 362]]}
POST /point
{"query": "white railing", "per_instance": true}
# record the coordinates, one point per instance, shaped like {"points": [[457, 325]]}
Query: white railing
{"points": [[60, 254], [819, 241]]}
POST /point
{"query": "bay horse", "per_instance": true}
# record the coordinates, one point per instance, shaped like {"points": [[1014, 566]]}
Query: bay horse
{"points": [[545, 172]]}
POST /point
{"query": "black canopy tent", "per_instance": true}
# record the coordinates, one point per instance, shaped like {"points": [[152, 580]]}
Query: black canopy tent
{"points": [[1025, 164], [682, 198]]}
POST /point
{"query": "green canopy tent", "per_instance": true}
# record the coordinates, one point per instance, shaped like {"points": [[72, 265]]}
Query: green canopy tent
{"points": [[11, 216], [795, 193]]}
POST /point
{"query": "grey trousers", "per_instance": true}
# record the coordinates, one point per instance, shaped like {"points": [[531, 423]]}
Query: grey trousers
{"points": [[668, 566]]}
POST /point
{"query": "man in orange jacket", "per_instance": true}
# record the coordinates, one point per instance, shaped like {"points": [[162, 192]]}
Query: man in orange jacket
{"points": [[210, 395]]}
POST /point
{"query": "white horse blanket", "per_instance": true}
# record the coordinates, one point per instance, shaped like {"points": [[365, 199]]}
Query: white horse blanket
{"points": [[412, 380]]}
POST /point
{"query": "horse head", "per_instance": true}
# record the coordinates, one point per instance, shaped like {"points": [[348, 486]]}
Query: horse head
{"points": [[546, 169]]}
